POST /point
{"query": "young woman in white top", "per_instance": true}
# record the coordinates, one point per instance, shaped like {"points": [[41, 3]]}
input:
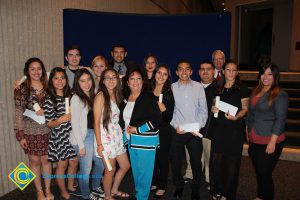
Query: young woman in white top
{"points": [[109, 133]]}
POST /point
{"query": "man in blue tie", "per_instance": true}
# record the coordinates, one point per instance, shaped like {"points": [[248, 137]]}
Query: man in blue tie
{"points": [[119, 53]]}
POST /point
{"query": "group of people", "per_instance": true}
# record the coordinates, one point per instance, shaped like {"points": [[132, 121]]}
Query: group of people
{"points": [[123, 116]]}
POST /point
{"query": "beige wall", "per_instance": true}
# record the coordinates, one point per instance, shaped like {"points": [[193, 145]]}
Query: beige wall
{"points": [[34, 28]]}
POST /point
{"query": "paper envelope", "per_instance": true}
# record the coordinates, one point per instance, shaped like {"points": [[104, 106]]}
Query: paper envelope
{"points": [[226, 107], [190, 127]]}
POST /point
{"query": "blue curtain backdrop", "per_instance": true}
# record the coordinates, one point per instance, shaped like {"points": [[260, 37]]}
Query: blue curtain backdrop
{"points": [[169, 37]]}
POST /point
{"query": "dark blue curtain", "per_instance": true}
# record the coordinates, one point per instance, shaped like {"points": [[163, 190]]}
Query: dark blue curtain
{"points": [[169, 37]]}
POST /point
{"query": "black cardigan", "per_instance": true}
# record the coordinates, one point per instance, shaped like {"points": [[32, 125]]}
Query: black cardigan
{"points": [[210, 92], [168, 100], [145, 110]]}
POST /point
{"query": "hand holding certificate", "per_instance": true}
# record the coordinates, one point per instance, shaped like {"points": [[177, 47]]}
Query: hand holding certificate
{"points": [[228, 108], [217, 105], [192, 128], [67, 105], [31, 114]]}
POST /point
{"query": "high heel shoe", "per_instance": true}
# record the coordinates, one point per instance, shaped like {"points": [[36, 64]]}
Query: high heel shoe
{"points": [[153, 188], [49, 195], [159, 196]]}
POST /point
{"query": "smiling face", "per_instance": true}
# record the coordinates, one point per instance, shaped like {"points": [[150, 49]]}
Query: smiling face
{"points": [[85, 83], [150, 64], [230, 72], [206, 73], [161, 76], [35, 71], [135, 82], [73, 57], [267, 78], [184, 72], [119, 54], [98, 67], [59, 82], [110, 80], [218, 60]]}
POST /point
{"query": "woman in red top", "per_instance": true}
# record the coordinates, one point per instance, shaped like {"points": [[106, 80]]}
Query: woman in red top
{"points": [[265, 128]]}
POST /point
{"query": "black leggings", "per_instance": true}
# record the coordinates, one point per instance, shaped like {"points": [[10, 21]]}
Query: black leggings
{"points": [[264, 165], [224, 174]]}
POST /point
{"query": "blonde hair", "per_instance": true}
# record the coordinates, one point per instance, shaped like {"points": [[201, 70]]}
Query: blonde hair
{"points": [[99, 58]]}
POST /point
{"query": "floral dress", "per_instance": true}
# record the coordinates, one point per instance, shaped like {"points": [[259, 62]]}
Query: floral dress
{"points": [[112, 139], [36, 135]]}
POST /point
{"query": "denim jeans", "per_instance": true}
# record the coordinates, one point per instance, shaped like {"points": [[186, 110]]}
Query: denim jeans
{"points": [[86, 166]]}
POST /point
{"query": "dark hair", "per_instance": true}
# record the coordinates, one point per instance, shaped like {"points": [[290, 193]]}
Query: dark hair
{"points": [[183, 61], [168, 83], [222, 81], [118, 45], [117, 94], [72, 47], [207, 62], [148, 56], [126, 89], [78, 91], [44, 78], [51, 90], [275, 88]]}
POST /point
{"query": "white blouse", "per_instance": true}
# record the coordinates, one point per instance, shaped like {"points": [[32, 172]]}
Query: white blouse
{"points": [[127, 115]]}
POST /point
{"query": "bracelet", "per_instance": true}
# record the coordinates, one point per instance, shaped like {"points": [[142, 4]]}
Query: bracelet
{"points": [[98, 145]]}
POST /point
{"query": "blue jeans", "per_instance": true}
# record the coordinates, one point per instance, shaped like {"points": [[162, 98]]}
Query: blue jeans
{"points": [[86, 166]]}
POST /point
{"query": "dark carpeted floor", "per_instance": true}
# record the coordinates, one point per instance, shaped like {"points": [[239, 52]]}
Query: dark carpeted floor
{"points": [[286, 178]]}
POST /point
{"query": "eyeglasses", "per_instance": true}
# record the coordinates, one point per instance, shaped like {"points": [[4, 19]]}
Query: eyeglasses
{"points": [[110, 78]]}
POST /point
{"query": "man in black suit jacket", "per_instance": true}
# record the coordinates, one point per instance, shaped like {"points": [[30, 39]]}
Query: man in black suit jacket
{"points": [[119, 53], [206, 73]]}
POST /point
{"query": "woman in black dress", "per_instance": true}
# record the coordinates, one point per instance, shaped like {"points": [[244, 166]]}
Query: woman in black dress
{"points": [[162, 85], [227, 143], [58, 119], [150, 63]]}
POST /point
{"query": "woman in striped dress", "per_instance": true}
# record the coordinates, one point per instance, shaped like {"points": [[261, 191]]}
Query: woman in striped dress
{"points": [[60, 149]]}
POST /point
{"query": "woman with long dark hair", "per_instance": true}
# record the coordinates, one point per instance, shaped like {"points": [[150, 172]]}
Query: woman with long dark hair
{"points": [[82, 121], [58, 120], [265, 127], [32, 136], [108, 133], [150, 63], [161, 85], [228, 135]]}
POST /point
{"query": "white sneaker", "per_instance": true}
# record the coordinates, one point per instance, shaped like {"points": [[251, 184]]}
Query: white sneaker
{"points": [[99, 192]]}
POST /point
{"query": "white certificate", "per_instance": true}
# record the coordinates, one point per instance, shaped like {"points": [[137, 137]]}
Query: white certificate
{"points": [[31, 114], [226, 107], [190, 127]]}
